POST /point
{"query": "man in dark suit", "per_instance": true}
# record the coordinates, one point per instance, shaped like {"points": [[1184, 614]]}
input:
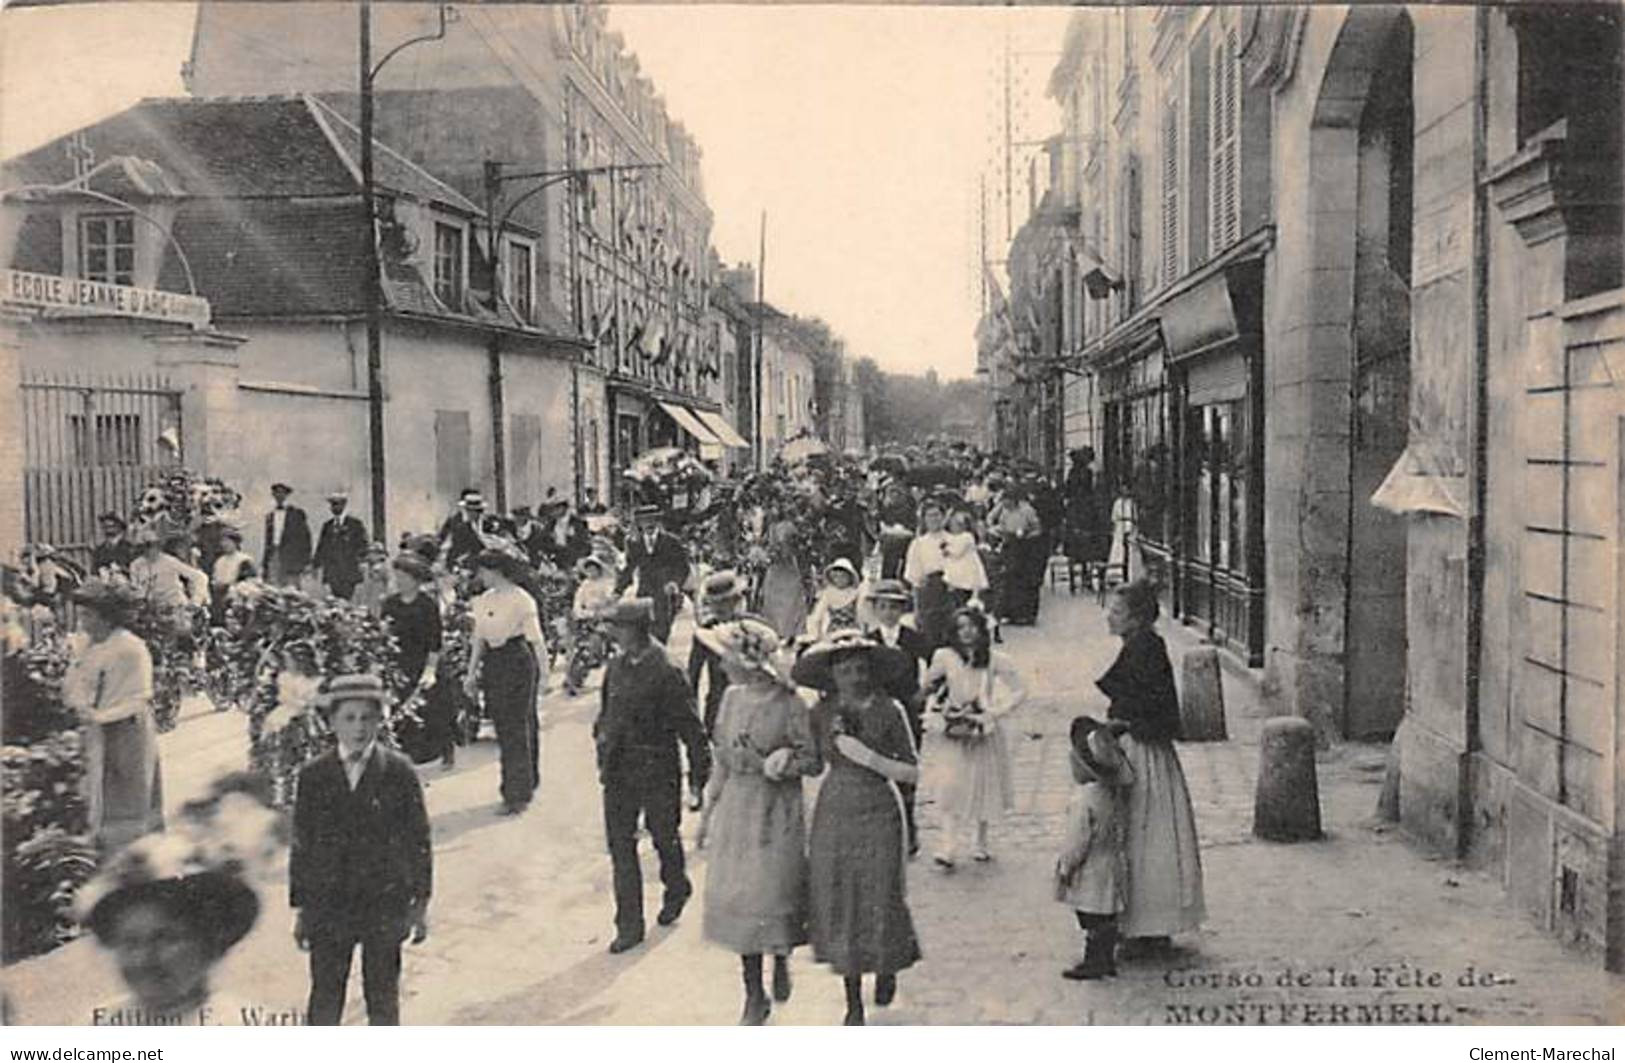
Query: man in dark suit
{"points": [[361, 867], [645, 710], [909, 651], [460, 538], [287, 540], [341, 548], [659, 562], [566, 538], [720, 601]]}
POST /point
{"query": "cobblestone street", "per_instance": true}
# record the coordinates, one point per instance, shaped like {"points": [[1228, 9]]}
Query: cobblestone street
{"points": [[521, 913]]}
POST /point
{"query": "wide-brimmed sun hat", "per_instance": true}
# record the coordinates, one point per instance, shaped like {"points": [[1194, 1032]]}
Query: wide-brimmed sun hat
{"points": [[596, 562], [513, 568], [748, 643], [812, 668], [116, 600], [631, 611], [413, 566]]}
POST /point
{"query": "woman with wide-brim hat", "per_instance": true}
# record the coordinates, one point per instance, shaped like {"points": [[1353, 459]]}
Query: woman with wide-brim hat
{"points": [[589, 636], [109, 684], [857, 847], [508, 661], [753, 825], [170, 906]]}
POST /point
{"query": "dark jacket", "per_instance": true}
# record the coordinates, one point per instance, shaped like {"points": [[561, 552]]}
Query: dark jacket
{"points": [[1140, 684], [901, 679], [340, 550], [645, 709], [666, 563], [116, 554], [460, 539], [361, 851], [292, 555], [577, 542], [702, 661]]}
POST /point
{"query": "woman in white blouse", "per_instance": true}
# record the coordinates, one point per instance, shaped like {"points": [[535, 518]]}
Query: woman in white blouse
{"points": [[160, 577], [508, 661], [972, 687], [109, 684], [924, 567]]}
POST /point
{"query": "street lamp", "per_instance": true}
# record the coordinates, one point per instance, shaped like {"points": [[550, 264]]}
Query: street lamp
{"points": [[374, 295], [495, 227]]}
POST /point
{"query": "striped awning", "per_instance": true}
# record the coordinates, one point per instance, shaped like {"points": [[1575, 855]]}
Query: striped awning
{"points": [[689, 423], [720, 428]]}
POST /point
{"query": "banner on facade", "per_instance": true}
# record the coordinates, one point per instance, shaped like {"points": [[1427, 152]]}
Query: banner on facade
{"points": [[47, 291], [1423, 481]]}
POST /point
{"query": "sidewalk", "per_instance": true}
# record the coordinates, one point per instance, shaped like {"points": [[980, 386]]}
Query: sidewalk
{"points": [[522, 907]]}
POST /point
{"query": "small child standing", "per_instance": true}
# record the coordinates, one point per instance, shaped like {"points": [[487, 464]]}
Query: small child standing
{"points": [[963, 570], [1091, 874], [836, 608]]}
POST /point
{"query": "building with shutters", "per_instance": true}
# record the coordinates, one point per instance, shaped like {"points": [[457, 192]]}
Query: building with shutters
{"points": [[1355, 274], [254, 206]]}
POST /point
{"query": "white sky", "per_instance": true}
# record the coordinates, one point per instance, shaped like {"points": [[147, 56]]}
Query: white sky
{"points": [[861, 131]]}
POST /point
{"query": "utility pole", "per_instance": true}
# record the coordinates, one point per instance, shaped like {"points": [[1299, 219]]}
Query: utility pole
{"points": [[761, 300], [499, 435], [373, 290]]}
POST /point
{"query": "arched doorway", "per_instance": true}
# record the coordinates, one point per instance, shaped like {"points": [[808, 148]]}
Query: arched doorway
{"points": [[1362, 142]]}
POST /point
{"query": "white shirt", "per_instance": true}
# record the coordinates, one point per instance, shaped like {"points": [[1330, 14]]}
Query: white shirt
{"points": [[356, 766], [928, 553], [502, 615], [279, 518], [229, 566]]}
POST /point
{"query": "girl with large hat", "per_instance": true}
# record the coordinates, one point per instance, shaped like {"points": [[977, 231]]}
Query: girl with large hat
{"points": [[508, 661], [860, 922], [109, 684], [752, 826]]}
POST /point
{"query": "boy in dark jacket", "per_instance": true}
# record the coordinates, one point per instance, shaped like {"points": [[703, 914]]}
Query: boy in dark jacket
{"points": [[361, 867]]}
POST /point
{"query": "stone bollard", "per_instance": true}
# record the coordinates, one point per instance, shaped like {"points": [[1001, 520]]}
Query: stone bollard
{"points": [[1286, 807], [1201, 697]]}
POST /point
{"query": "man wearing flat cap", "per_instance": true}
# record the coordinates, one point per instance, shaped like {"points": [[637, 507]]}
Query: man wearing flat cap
{"points": [[645, 710], [287, 540], [658, 561], [341, 548]]}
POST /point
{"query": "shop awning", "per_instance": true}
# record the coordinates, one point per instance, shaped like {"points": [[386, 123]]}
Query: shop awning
{"points": [[1200, 319], [688, 422], [720, 428]]}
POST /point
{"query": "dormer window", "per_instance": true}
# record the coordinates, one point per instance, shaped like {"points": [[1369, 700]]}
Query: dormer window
{"points": [[448, 265], [107, 248]]}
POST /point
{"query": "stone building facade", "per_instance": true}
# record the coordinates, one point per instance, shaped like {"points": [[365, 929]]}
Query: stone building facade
{"points": [[1424, 283]]}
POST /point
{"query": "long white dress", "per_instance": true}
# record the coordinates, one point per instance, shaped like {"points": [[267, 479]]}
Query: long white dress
{"points": [[1125, 530], [976, 772]]}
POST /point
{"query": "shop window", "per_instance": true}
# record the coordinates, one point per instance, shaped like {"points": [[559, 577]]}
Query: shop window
{"points": [[448, 265], [107, 248]]}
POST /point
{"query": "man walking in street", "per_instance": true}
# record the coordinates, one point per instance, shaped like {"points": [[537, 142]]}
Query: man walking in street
{"points": [[287, 540], [659, 562], [720, 601], [645, 710], [340, 549], [460, 538]]}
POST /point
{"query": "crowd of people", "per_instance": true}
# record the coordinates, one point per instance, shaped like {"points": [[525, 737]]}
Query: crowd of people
{"points": [[844, 611]]}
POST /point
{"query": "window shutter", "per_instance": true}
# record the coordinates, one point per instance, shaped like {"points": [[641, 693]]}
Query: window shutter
{"points": [[1226, 145], [1170, 192]]}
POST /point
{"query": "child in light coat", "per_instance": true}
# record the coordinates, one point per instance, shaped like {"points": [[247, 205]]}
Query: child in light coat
{"points": [[1091, 873]]}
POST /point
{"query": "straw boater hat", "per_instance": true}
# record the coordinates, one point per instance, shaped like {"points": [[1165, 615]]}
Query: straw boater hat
{"points": [[360, 687], [890, 590], [812, 668], [1095, 745], [748, 643], [722, 587], [594, 560], [338, 496]]}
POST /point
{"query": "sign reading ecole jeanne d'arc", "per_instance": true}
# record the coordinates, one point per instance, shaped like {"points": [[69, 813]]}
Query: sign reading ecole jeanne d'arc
{"points": [[50, 292]]}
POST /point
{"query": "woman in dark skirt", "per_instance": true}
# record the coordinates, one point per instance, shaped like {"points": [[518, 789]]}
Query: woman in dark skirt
{"points": [[860, 922], [413, 617], [508, 661], [1165, 864]]}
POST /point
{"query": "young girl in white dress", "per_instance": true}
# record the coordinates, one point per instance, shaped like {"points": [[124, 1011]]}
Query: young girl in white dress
{"points": [[972, 688]]}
